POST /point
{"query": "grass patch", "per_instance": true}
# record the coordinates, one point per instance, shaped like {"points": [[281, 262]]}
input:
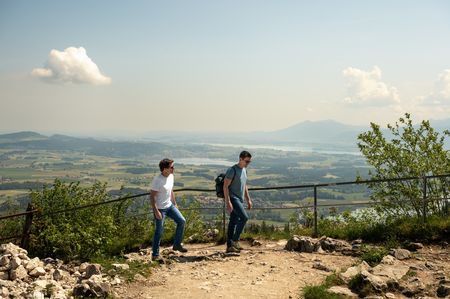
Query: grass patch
{"points": [[373, 255], [136, 267], [436, 228], [319, 292], [333, 280], [359, 286]]}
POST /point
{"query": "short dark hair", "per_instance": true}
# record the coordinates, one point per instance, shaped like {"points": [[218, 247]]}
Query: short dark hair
{"points": [[164, 163], [244, 154]]}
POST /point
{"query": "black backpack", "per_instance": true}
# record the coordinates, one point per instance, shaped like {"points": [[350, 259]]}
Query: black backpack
{"points": [[219, 183]]}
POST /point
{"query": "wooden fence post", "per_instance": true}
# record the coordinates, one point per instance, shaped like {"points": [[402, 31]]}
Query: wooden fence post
{"points": [[25, 242]]}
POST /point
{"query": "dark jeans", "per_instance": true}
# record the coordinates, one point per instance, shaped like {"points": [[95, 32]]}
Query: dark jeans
{"points": [[174, 213], [238, 219]]}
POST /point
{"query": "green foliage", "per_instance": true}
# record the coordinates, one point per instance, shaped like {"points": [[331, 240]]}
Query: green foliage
{"points": [[358, 285], [409, 151], [373, 255], [136, 267], [12, 226], [84, 233], [333, 280], [390, 231], [319, 292]]}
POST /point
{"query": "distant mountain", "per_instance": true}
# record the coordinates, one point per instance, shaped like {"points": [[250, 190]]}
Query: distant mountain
{"points": [[327, 131], [441, 124], [21, 136], [35, 141]]}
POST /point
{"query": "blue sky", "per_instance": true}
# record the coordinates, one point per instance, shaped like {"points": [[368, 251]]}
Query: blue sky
{"points": [[220, 66]]}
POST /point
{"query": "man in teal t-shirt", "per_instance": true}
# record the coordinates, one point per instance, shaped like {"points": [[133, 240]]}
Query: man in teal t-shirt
{"points": [[235, 191]]}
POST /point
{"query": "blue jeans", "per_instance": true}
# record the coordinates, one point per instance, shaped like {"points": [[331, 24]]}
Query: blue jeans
{"points": [[238, 219], [174, 213]]}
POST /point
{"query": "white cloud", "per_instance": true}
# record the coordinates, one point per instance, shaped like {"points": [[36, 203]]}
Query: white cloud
{"points": [[441, 93], [367, 89], [71, 65]]}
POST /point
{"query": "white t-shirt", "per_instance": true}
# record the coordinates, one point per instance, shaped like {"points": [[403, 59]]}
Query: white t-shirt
{"points": [[164, 186]]}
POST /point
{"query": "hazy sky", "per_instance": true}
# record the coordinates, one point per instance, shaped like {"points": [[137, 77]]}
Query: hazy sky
{"points": [[93, 66]]}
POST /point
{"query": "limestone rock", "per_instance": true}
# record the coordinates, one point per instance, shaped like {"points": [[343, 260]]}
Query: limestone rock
{"points": [[18, 274], [4, 260], [4, 275], [92, 269], [400, 254], [33, 263], [302, 244], [414, 246], [353, 271], [121, 266], [443, 290], [15, 262], [38, 271], [11, 249], [322, 267], [347, 293]]}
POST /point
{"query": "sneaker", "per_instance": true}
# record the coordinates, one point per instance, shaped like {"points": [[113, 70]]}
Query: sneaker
{"points": [[157, 258], [237, 245], [179, 248], [232, 249]]}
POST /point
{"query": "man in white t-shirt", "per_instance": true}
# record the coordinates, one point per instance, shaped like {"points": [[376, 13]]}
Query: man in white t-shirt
{"points": [[163, 202]]}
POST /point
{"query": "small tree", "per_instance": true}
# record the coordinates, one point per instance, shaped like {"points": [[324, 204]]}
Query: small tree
{"points": [[411, 151]]}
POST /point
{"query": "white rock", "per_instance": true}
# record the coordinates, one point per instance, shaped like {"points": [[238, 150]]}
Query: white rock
{"points": [[15, 262], [38, 295], [388, 260], [347, 293], [41, 283], [116, 281], [4, 260], [83, 267], [23, 256], [4, 293], [353, 271], [4, 275], [38, 271], [121, 266], [33, 263], [18, 274]]}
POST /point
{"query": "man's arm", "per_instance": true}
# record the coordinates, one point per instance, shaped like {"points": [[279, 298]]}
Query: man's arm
{"points": [[247, 197], [226, 195], [156, 212], [172, 198]]}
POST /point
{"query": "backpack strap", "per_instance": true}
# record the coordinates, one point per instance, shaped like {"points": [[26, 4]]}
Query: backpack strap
{"points": [[234, 175]]}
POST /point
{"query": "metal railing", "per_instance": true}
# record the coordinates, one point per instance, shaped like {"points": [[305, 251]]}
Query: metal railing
{"points": [[30, 212]]}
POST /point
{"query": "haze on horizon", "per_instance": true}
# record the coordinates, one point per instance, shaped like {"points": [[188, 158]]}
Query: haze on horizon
{"points": [[220, 66]]}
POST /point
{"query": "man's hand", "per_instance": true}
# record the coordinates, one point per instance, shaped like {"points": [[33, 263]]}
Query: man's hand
{"points": [[157, 214], [229, 207], [249, 204]]}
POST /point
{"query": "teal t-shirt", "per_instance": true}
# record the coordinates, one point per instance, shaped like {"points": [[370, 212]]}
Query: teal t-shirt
{"points": [[237, 186]]}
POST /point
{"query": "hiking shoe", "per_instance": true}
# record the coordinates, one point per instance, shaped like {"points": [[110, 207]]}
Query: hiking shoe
{"points": [[237, 245], [232, 249], [179, 248], [157, 259]]}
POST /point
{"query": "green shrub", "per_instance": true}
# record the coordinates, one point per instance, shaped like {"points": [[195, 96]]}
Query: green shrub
{"points": [[359, 286], [85, 233], [319, 292], [373, 255]]}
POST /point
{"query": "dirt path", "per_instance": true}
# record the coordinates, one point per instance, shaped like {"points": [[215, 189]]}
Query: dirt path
{"points": [[266, 271]]}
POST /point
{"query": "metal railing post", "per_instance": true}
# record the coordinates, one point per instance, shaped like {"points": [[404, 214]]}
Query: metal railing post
{"points": [[424, 212], [25, 242], [223, 221], [315, 211]]}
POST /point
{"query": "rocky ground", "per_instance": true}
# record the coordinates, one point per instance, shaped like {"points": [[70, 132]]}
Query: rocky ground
{"points": [[264, 269]]}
